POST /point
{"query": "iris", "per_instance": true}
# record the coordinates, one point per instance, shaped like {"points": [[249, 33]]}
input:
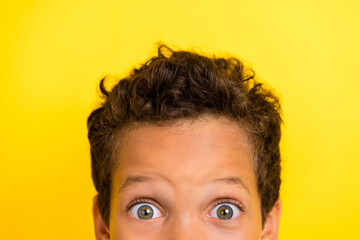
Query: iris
{"points": [[224, 212], [145, 212]]}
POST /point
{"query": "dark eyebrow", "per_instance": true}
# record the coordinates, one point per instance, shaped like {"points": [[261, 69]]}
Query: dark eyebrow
{"points": [[234, 181], [134, 179], [140, 179]]}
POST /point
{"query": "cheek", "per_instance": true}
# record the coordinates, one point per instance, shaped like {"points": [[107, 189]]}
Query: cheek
{"points": [[248, 228], [124, 228], [131, 230], [123, 231]]}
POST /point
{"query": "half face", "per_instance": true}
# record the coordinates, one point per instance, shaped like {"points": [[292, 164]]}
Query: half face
{"points": [[190, 181]]}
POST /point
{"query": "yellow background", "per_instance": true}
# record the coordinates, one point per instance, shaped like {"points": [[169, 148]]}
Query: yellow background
{"points": [[53, 54]]}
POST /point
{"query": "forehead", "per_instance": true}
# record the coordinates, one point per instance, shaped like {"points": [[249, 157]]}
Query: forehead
{"points": [[198, 134], [189, 152]]}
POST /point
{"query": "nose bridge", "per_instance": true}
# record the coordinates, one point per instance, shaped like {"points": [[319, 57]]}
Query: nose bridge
{"points": [[184, 226], [185, 220]]}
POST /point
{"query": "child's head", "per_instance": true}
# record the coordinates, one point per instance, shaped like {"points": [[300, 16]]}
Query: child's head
{"points": [[186, 144]]}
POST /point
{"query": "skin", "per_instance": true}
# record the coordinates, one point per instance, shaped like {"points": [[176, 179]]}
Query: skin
{"points": [[182, 172]]}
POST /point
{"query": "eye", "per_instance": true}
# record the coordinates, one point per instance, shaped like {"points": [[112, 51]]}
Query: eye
{"points": [[145, 211], [225, 211]]}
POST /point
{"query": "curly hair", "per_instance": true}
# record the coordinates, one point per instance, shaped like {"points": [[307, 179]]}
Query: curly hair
{"points": [[179, 85]]}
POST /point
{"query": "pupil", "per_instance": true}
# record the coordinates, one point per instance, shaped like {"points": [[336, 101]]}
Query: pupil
{"points": [[225, 212], [145, 212]]}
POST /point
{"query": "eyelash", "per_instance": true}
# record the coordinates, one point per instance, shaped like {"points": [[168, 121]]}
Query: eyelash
{"points": [[137, 201], [238, 204]]}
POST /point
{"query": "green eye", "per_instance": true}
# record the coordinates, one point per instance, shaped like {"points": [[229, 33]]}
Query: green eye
{"points": [[144, 211], [225, 211]]}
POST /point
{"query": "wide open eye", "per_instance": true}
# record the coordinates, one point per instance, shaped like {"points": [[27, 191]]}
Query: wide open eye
{"points": [[225, 211], [145, 211]]}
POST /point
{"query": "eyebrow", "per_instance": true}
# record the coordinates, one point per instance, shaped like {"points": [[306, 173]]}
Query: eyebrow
{"points": [[233, 181], [133, 180]]}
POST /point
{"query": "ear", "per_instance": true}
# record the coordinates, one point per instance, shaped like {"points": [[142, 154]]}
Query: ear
{"points": [[101, 230], [271, 228]]}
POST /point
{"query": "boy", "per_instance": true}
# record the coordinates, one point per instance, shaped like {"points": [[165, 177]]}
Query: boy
{"points": [[186, 147]]}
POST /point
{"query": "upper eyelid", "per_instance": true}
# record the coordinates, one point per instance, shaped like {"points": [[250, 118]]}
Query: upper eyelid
{"points": [[234, 202], [137, 201]]}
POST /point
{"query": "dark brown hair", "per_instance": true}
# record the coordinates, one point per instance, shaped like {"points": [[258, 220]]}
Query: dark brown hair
{"points": [[176, 85]]}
